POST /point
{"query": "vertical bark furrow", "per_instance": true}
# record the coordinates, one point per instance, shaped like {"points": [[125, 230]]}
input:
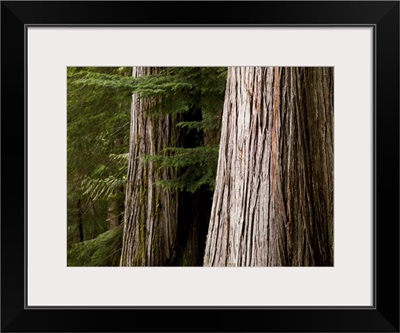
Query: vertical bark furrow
{"points": [[277, 152], [150, 212]]}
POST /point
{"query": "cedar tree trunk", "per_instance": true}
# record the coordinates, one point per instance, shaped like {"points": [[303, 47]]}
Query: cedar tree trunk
{"points": [[150, 218], [273, 200]]}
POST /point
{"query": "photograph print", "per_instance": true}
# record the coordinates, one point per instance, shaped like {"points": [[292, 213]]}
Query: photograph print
{"points": [[200, 166]]}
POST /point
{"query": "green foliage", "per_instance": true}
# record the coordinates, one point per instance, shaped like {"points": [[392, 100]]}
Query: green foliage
{"points": [[92, 78], [98, 118], [177, 86], [199, 165], [108, 187], [104, 250], [196, 94], [97, 144]]}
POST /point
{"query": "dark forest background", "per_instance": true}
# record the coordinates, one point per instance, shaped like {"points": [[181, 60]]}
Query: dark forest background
{"points": [[99, 114], [200, 166]]}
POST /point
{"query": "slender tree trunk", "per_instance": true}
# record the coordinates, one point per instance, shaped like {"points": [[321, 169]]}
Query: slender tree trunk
{"points": [[150, 220], [115, 204], [273, 202], [113, 214], [80, 221]]}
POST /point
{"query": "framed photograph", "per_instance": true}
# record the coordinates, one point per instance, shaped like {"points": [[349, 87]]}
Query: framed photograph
{"points": [[200, 166]]}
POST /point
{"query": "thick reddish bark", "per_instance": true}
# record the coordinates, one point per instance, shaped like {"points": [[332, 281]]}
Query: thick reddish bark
{"points": [[273, 202]]}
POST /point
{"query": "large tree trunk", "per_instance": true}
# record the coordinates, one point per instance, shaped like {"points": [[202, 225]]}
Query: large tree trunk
{"points": [[150, 218], [273, 202]]}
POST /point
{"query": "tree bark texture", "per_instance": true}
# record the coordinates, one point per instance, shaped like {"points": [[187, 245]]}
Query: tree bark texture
{"points": [[150, 218], [273, 200]]}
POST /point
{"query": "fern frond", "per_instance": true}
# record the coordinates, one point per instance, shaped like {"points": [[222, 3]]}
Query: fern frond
{"points": [[106, 188], [104, 250]]}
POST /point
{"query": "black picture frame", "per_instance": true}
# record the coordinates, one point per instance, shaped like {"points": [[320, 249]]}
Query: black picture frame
{"points": [[383, 316]]}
